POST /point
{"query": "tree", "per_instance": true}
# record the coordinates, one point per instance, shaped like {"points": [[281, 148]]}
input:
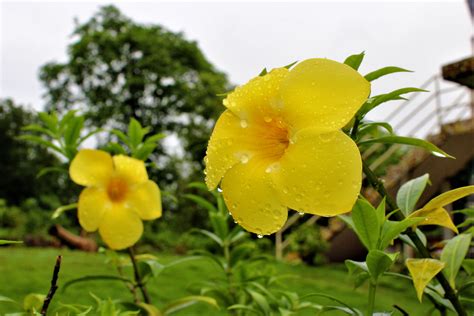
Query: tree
{"points": [[118, 69], [21, 161]]}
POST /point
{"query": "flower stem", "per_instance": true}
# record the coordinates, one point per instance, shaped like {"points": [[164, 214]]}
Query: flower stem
{"points": [[372, 288], [375, 182], [138, 279], [54, 286]]}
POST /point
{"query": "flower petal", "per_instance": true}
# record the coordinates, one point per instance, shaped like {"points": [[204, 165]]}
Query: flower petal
{"points": [[258, 96], [133, 170], [93, 203], [120, 227], [228, 145], [252, 201], [320, 173], [91, 167], [145, 199], [322, 93]]}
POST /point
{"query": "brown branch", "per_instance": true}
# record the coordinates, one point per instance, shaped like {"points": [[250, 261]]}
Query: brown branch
{"points": [[54, 286]]}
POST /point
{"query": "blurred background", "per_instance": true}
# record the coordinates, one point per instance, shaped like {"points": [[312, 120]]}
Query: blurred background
{"points": [[165, 64]]}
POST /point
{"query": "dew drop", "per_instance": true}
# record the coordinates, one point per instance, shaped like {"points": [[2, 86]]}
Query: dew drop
{"points": [[259, 236], [219, 190], [225, 102], [244, 158], [267, 119], [244, 124], [301, 213]]}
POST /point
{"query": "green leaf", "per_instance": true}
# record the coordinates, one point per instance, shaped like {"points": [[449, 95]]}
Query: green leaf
{"points": [[39, 129], [6, 299], [40, 141], [422, 271], [201, 202], [144, 151], [149, 309], [375, 101], [155, 138], [89, 278], [187, 301], [369, 126], [33, 301], [219, 224], [47, 170], [49, 120], [243, 307], [410, 192], [88, 135], [209, 234], [469, 212], [408, 141], [263, 72], [121, 136], [290, 65], [334, 299], [378, 262], [366, 224], [135, 134], [72, 131], [468, 266], [354, 61], [9, 242], [453, 255], [392, 229], [380, 211], [261, 301], [383, 72], [63, 209]]}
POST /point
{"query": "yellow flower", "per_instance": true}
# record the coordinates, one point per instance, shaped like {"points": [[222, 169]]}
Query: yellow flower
{"points": [[279, 145], [117, 197]]}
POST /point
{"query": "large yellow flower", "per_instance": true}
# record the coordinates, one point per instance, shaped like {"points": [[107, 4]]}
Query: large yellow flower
{"points": [[117, 197], [279, 145]]}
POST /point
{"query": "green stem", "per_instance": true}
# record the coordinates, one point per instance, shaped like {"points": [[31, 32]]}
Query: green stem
{"points": [[138, 279], [372, 289], [450, 294]]}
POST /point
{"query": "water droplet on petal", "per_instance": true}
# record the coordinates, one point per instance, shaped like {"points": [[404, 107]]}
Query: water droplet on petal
{"points": [[259, 236], [244, 124], [267, 119], [301, 213], [244, 158]]}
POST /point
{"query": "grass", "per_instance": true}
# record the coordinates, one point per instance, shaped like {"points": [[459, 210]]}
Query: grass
{"points": [[28, 270]]}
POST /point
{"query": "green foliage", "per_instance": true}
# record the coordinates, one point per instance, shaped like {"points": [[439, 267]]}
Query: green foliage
{"points": [[410, 192], [383, 72], [453, 255], [21, 161], [354, 61], [306, 240]]}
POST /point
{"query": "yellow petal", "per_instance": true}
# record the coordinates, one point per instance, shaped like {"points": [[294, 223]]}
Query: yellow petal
{"points": [[252, 201], [258, 97], [422, 271], [91, 167], [145, 199], [133, 170], [228, 145], [322, 93], [320, 173], [93, 203], [438, 216], [449, 197], [120, 227]]}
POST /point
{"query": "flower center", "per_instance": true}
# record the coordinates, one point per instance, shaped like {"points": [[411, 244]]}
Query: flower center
{"points": [[273, 138], [117, 189]]}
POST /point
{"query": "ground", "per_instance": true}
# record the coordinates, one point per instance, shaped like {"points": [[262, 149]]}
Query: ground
{"points": [[27, 270]]}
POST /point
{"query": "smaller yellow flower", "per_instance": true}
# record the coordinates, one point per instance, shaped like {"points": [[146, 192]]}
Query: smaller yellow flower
{"points": [[117, 197]]}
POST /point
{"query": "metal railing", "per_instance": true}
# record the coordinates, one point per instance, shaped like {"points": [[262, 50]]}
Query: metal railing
{"points": [[424, 114]]}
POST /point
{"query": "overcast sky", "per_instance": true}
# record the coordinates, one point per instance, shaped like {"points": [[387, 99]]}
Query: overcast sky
{"points": [[242, 38]]}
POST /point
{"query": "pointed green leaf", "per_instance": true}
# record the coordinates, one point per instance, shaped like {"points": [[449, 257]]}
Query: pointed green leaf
{"points": [[354, 61], [392, 229], [378, 262], [9, 242], [468, 266], [453, 255], [366, 224], [135, 134], [422, 272], [408, 141], [185, 302], [33, 301], [410, 192], [383, 72], [375, 101], [63, 209], [73, 131]]}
